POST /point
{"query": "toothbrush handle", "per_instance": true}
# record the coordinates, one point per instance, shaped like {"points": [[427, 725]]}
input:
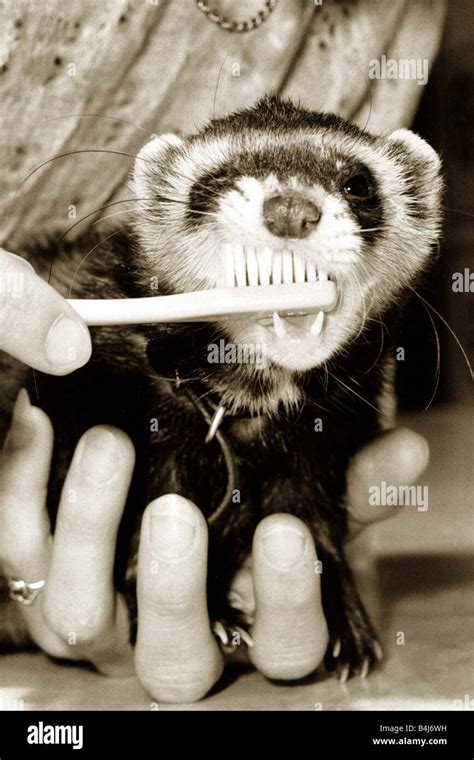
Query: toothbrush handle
{"points": [[209, 305]]}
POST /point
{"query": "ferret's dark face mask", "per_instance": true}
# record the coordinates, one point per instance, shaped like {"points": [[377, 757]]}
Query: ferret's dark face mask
{"points": [[262, 198]]}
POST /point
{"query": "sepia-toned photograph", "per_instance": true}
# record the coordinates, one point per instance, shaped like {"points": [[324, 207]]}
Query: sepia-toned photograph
{"points": [[236, 350]]}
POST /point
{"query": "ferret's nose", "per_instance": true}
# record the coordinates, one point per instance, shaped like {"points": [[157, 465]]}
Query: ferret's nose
{"points": [[290, 216]]}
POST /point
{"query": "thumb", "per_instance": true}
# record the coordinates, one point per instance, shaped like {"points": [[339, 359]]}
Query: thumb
{"points": [[37, 325]]}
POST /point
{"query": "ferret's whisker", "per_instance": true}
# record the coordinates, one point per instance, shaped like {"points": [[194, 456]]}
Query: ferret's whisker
{"points": [[97, 116], [194, 211], [326, 375], [181, 202], [382, 343], [116, 213], [95, 211], [364, 229], [221, 69], [75, 153], [354, 279], [459, 211], [437, 373], [448, 326], [97, 245], [92, 213], [351, 390]]}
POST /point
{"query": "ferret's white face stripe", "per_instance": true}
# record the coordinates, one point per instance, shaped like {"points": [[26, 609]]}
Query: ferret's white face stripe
{"points": [[252, 190], [334, 241]]}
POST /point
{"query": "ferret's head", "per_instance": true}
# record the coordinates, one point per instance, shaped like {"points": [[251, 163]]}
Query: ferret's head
{"points": [[276, 194]]}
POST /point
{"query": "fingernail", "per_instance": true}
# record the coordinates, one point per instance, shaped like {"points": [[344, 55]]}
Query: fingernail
{"points": [[21, 431], [172, 528], [67, 342], [283, 547], [99, 455]]}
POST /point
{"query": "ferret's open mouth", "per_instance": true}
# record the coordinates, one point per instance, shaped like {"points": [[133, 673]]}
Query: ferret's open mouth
{"points": [[294, 328]]}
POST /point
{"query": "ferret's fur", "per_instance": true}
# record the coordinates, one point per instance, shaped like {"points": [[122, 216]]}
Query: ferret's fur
{"points": [[197, 195]]}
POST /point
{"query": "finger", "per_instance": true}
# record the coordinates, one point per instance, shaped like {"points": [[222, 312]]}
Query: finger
{"points": [[25, 539], [80, 602], [24, 472], [176, 655], [290, 633], [397, 457], [37, 325]]}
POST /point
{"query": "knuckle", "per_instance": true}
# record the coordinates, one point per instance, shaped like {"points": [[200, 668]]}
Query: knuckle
{"points": [[79, 518], [168, 613], [78, 628], [13, 556]]}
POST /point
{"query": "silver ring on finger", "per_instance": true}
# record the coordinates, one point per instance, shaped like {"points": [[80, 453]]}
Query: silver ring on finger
{"points": [[23, 592]]}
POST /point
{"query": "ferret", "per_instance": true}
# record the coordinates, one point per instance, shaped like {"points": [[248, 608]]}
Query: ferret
{"points": [[267, 195]]}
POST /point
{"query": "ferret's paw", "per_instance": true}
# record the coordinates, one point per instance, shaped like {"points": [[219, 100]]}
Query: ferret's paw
{"points": [[353, 652]]}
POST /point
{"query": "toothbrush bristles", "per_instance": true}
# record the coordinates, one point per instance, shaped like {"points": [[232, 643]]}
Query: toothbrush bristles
{"points": [[248, 266]]}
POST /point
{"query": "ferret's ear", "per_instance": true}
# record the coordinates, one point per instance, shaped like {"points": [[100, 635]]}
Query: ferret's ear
{"points": [[149, 160], [417, 148]]}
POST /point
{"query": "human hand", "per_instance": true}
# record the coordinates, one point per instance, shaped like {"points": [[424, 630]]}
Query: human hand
{"points": [[78, 615], [37, 325]]}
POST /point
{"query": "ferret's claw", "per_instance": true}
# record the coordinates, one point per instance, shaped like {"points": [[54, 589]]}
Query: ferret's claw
{"points": [[336, 649], [215, 422], [378, 651], [364, 671], [344, 674], [220, 632], [244, 635]]}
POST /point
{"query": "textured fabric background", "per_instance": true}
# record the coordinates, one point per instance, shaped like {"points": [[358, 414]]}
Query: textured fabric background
{"points": [[160, 65]]}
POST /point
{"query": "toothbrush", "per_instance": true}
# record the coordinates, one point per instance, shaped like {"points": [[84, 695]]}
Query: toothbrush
{"points": [[209, 305]]}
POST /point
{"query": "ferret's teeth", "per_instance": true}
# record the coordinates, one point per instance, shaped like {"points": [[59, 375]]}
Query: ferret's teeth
{"points": [[287, 266], [279, 325], [228, 264], [298, 264], [322, 275], [311, 275], [317, 325], [264, 260], [239, 266], [252, 266], [276, 269]]}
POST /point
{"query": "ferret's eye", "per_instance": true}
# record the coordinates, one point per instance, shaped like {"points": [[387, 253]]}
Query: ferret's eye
{"points": [[358, 186]]}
